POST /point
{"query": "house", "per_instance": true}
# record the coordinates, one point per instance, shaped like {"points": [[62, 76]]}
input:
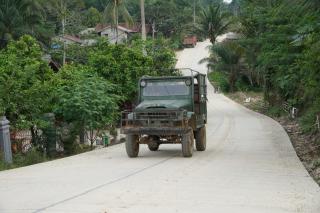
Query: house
{"points": [[124, 31], [110, 33]]}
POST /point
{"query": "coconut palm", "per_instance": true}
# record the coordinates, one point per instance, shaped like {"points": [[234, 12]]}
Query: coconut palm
{"points": [[213, 22], [113, 11]]}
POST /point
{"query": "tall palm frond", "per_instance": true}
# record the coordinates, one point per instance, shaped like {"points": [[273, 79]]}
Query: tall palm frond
{"points": [[113, 11], [213, 22]]}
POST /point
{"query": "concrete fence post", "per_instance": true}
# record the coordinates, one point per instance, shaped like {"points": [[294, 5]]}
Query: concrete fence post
{"points": [[5, 139]]}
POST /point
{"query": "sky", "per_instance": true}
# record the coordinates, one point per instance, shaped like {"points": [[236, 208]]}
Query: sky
{"points": [[227, 1]]}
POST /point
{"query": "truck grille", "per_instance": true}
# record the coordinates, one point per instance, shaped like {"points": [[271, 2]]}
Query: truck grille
{"points": [[168, 118], [157, 115]]}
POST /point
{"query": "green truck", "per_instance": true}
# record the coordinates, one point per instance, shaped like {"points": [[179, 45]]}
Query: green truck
{"points": [[170, 110]]}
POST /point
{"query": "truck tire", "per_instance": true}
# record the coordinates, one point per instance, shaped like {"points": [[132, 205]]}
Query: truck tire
{"points": [[201, 139], [187, 144], [132, 145], [153, 146]]}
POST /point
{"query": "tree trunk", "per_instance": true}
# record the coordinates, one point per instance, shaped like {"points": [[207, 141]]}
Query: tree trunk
{"points": [[143, 21], [117, 24]]}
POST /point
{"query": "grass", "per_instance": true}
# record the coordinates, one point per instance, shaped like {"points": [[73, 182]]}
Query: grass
{"points": [[33, 157], [256, 103], [20, 160]]}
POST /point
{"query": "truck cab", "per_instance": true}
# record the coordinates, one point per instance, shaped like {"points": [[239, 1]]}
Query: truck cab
{"points": [[170, 110]]}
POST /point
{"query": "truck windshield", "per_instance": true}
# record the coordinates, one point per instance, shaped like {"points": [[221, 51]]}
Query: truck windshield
{"points": [[161, 88]]}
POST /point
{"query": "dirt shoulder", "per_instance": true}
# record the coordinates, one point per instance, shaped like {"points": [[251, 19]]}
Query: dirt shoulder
{"points": [[307, 145]]}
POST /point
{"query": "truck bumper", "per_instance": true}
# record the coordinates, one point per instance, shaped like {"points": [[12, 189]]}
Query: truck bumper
{"points": [[155, 130]]}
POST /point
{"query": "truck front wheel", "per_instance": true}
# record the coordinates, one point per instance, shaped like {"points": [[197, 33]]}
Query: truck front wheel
{"points": [[132, 145], [201, 139], [187, 144]]}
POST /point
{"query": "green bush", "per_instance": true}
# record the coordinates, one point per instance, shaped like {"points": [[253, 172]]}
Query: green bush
{"points": [[243, 84], [32, 157], [219, 79], [275, 111], [308, 120]]}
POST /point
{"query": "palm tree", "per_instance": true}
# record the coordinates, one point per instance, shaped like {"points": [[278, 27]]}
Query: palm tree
{"points": [[213, 22], [228, 58], [112, 12]]}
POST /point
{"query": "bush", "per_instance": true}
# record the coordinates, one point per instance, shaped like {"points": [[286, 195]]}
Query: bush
{"points": [[243, 84], [275, 111], [308, 119], [219, 79], [32, 157]]}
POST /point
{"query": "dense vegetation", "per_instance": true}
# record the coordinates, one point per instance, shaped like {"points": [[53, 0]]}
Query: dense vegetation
{"points": [[45, 19], [85, 97], [278, 52]]}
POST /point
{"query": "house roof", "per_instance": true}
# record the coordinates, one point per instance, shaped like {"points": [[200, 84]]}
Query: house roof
{"points": [[102, 27], [72, 38]]}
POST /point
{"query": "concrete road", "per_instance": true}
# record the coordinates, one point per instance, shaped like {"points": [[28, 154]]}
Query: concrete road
{"points": [[249, 166]]}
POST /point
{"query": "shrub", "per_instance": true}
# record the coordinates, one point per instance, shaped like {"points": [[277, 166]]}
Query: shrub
{"points": [[219, 79], [32, 157]]}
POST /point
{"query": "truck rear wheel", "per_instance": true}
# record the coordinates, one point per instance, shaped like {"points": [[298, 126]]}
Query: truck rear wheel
{"points": [[187, 144], [132, 145], [201, 139]]}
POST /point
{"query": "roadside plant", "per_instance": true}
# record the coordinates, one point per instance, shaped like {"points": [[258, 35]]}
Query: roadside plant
{"points": [[89, 102], [227, 58]]}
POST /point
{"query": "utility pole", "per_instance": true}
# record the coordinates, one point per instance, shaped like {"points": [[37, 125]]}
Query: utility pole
{"points": [[143, 21]]}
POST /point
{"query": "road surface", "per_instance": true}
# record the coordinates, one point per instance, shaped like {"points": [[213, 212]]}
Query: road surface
{"points": [[249, 167]]}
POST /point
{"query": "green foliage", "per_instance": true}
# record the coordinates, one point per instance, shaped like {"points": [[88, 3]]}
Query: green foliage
{"points": [[219, 80], [32, 157], [281, 42], [226, 57], [120, 65], [213, 22], [92, 17], [18, 17], [115, 10], [25, 82], [87, 99], [159, 50], [309, 118], [19, 160], [275, 111]]}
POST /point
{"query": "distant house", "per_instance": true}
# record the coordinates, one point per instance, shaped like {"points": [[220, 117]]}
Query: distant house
{"points": [[124, 31], [110, 33]]}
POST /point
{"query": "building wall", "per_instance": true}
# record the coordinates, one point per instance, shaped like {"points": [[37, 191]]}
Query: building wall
{"points": [[112, 35]]}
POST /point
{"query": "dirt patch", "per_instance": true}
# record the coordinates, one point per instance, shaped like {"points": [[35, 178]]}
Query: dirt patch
{"points": [[307, 145]]}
